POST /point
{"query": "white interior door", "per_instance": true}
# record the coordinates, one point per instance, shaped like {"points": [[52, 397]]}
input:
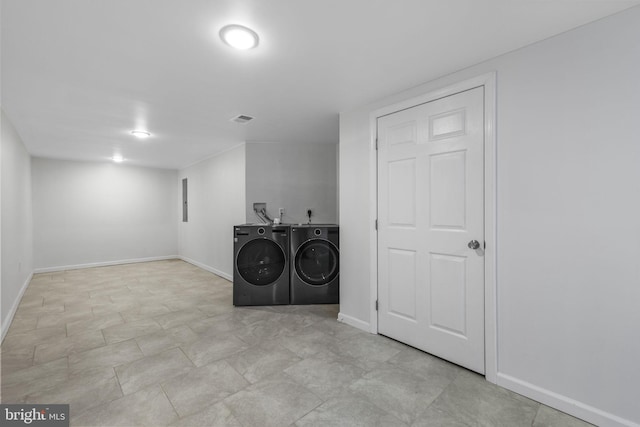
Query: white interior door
{"points": [[430, 212]]}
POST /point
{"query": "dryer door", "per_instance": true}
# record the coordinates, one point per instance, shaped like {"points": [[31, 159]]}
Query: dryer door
{"points": [[261, 262], [317, 262]]}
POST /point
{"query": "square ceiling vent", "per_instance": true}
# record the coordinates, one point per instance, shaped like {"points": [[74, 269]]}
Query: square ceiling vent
{"points": [[242, 119]]}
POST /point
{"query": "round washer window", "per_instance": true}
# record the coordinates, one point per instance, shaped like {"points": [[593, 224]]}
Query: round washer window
{"points": [[260, 262], [317, 262]]}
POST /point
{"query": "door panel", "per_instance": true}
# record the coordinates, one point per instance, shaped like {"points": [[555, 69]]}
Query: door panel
{"points": [[402, 201], [402, 292], [402, 133], [430, 205], [448, 294], [447, 125], [447, 190]]}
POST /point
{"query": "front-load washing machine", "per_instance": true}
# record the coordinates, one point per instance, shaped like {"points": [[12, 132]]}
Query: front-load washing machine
{"points": [[315, 264], [261, 270]]}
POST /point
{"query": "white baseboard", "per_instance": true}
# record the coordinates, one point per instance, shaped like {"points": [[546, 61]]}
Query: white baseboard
{"points": [[103, 264], [564, 403], [352, 321], [208, 268], [6, 322]]}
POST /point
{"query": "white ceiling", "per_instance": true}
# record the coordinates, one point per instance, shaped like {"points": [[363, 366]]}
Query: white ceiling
{"points": [[79, 75]]}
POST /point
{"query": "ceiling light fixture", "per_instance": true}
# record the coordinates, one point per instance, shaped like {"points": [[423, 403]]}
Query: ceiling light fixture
{"points": [[239, 37], [140, 133], [117, 158]]}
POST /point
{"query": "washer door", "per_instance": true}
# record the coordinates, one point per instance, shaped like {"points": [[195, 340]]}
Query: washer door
{"points": [[260, 262], [317, 262]]}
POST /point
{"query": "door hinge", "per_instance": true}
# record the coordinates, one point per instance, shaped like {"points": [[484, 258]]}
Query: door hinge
{"points": [[376, 143], [485, 245], [376, 224], [376, 305]]}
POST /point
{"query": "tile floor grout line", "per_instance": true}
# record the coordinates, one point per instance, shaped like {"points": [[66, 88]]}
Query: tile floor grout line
{"points": [[322, 402], [535, 417], [115, 372], [104, 338], [185, 355], [170, 402]]}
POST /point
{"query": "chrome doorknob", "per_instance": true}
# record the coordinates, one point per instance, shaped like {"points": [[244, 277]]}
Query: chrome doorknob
{"points": [[474, 244]]}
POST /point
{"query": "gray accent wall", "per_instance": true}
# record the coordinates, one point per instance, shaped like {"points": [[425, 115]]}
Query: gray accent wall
{"points": [[295, 177]]}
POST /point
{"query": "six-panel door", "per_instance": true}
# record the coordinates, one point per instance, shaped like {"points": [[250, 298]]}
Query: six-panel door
{"points": [[430, 207]]}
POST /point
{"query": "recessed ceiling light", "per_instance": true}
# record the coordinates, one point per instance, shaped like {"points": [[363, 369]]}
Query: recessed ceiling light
{"points": [[239, 37], [140, 133], [117, 158]]}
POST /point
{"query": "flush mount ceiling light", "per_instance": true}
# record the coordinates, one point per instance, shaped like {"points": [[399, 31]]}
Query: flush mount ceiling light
{"points": [[117, 158], [239, 37], [140, 133]]}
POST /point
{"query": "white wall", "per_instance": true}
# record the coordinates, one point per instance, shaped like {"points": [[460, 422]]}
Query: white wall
{"points": [[17, 225], [216, 193], [568, 217], [89, 213], [296, 177]]}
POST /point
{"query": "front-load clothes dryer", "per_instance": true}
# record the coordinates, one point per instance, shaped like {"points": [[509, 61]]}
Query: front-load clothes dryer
{"points": [[315, 264], [261, 271]]}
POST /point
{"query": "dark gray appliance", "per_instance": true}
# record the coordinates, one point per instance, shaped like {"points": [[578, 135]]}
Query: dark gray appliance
{"points": [[261, 270], [315, 264]]}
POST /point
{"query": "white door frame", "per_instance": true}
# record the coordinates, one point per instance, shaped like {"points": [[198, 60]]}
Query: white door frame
{"points": [[490, 285]]}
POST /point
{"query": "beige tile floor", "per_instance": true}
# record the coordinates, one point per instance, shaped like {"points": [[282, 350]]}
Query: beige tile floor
{"points": [[160, 343]]}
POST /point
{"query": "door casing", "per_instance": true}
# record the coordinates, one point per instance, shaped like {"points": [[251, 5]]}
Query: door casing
{"points": [[487, 80]]}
